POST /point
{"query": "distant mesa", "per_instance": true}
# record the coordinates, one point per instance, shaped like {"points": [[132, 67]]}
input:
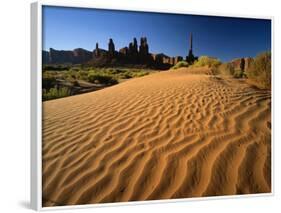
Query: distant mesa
{"points": [[131, 55]]}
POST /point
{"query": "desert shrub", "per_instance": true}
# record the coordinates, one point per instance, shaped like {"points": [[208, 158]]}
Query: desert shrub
{"points": [[55, 92], [71, 74], [226, 69], [180, 64], [125, 75], [82, 75], [259, 71], [211, 62], [229, 69], [132, 73], [115, 71], [48, 80], [238, 74], [140, 74], [102, 78], [121, 73]]}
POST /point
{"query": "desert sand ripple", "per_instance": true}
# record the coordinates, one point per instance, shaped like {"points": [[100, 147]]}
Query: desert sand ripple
{"points": [[174, 134]]}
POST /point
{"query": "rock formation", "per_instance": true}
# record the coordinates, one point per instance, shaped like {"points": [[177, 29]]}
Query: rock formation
{"points": [[96, 51], [190, 58], [242, 64], [132, 55], [135, 51], [178, 59], [144, 50], [111, 48], [60, 56], [81, 56], [124, 51], [248, 62], [77, 56], [45, 57]]}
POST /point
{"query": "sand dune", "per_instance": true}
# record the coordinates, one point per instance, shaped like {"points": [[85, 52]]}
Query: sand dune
{"points": [[172, 134]]}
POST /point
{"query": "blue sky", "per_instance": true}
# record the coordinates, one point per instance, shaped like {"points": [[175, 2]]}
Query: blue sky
{"points": [[225, 38]]}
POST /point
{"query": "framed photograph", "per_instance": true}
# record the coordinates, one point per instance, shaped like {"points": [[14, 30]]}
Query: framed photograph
{"points": [[133, 106]]}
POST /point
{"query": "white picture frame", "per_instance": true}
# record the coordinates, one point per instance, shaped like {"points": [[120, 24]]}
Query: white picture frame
{"points": [[36, 104]]}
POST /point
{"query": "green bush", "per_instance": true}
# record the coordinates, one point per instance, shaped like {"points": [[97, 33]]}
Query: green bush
{"points": [[54, 93], [82, 75], [180, 64], [125, 75], [211, 62], [101, 78], [259, 71], [72, 75], [115, 71]]}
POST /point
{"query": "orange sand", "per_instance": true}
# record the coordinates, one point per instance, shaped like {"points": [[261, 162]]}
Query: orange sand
{"points": [[172, 134]]}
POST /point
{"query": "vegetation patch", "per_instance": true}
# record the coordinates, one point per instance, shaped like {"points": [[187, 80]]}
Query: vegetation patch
{"points": [[61, 81], [211, 62], [180, 64], [257, 72], [101, 78], [55, 92], [260, 71], [226, 69]]}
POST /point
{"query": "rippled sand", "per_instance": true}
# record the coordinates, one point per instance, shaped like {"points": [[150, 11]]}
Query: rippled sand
{"points": [[174, 134]]}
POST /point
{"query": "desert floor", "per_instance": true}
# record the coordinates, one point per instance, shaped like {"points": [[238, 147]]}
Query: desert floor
{"points": [[174, 134]]}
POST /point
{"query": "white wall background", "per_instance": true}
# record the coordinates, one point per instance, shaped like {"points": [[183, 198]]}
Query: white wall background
{"points": [[15, 98]]}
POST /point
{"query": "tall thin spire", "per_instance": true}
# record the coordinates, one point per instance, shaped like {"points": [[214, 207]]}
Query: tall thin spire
{"points": [[97, 50], [190, 58], [190, 42]]}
